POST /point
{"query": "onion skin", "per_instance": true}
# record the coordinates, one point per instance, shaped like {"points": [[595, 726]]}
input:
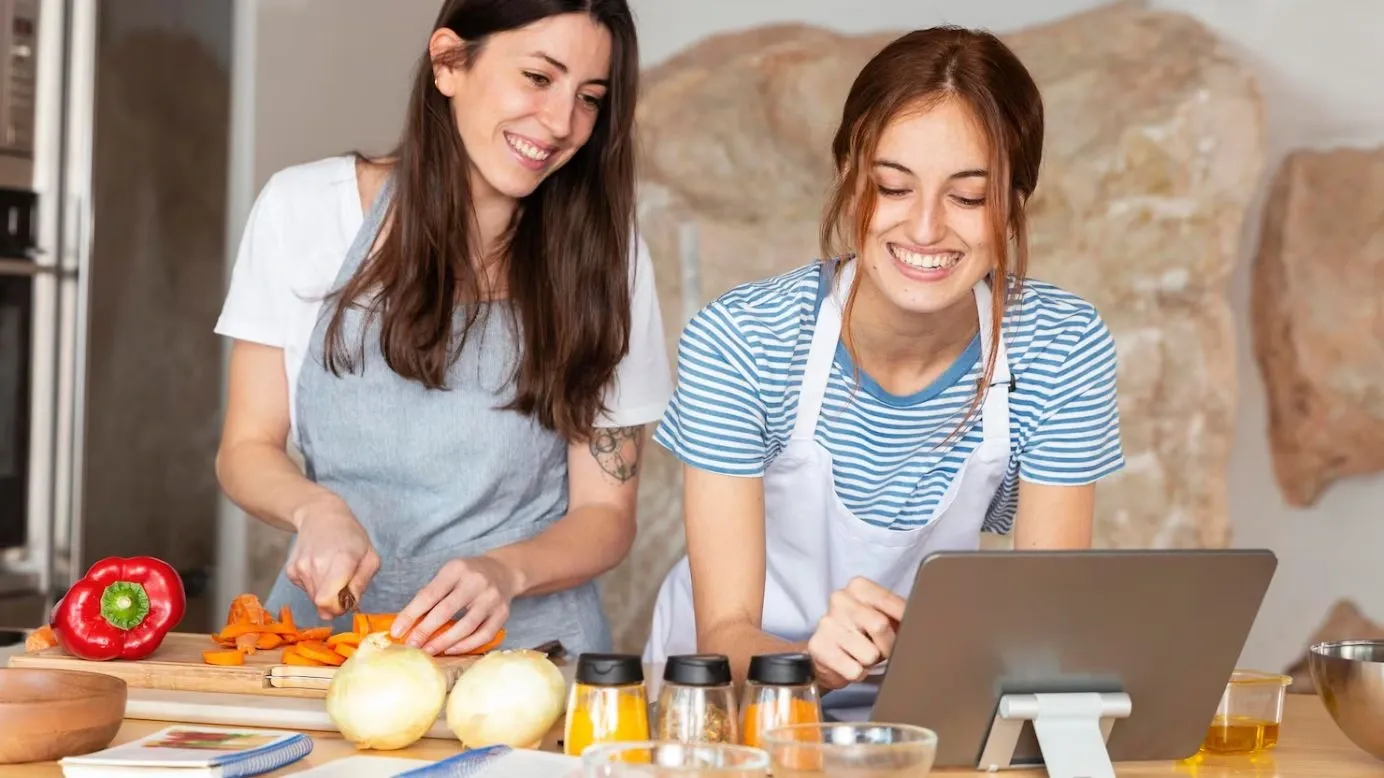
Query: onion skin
{"points": [[510, 697], [387, 695]]}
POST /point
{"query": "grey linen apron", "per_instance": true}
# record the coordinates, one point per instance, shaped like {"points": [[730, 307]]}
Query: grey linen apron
{"points": [[433, 475]]}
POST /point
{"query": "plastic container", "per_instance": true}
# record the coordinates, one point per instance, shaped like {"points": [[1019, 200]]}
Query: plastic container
{"points": [[607, 703], [696, 703], [1249, 715], [780, 690]]}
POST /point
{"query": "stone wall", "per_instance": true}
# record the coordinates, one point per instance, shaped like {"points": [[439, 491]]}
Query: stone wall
{"points": [[1318, 319], [1153, 153]]}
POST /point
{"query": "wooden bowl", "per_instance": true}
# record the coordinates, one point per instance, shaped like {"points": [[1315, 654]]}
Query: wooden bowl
{"points": [[49, 714]]}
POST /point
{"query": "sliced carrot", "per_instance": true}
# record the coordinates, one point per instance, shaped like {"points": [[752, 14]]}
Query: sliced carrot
{"points": [[360, 624], [40, 639], [246, 609], [345, 649], [316, 633], [344, 638], [380, 622], [286, 618], [320, 653], [268, 640], [233, 631], [298, 659], [231, 657], [246, 643]]}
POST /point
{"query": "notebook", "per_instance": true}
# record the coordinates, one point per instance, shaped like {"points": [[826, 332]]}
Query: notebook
{"points": [[193, 750]]}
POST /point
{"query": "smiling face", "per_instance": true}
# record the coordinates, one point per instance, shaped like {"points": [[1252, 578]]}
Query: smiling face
{"points": [[529, 99], [928, 242]]}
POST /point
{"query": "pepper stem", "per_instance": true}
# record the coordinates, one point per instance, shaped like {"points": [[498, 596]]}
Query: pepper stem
{"points": [[124, 604]]}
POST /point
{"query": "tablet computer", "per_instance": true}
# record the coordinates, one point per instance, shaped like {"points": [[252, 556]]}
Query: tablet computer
{"points": [[1153, 636]]}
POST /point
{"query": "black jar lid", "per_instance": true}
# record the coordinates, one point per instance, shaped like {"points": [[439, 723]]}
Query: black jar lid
{"points": [[609, 669], [782, 669], [698, 670]]}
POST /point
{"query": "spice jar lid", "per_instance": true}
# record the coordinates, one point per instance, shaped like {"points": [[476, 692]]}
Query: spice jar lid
{"points": [[609, 669], [698, 670], [782, 669]]}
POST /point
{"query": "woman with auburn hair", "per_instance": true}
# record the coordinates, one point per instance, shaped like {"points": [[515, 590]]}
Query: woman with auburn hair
{"points": [[841, 421], [463, 340]]}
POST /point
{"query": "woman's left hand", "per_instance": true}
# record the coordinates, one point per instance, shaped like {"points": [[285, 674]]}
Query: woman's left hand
{"points": [[481, 586]]}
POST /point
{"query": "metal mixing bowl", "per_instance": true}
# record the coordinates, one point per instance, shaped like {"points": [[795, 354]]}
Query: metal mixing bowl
{"points": [[1349, 676]]}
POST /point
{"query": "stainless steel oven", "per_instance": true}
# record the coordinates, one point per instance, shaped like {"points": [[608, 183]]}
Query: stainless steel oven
{"points": [[46, 78], [17, 274]]}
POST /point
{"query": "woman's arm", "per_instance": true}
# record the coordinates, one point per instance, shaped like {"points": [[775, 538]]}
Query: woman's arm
{"points": [[1075, 441], [332, 551], [724, 519], [599, 527], [252, 462], [1054, 517]]}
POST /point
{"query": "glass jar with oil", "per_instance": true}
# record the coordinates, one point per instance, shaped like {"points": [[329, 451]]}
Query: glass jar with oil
{"points": [[1249, 714]]}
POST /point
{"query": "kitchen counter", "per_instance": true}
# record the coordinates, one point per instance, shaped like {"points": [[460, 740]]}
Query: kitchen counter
{"points": [[1311, 747]]}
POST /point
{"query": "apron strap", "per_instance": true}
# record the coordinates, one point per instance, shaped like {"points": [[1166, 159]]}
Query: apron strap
{"points": [[369, 230], [994, 417], [826, 335]]}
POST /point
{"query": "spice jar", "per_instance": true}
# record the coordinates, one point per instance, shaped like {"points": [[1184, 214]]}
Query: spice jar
{"points": [[607, 703], [697, 701], [780, 690]]}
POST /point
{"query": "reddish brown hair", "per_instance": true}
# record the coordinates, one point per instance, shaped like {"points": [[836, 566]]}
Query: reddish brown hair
{"points": [[566, 271], [912, 74]]}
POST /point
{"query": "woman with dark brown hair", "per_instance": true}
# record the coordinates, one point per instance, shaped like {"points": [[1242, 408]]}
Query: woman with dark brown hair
{"points": [[840, 421], [462, 339]]}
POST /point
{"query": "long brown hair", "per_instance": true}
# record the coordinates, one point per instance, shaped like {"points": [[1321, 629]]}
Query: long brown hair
{"points": [[566, 268], [912, 73]]}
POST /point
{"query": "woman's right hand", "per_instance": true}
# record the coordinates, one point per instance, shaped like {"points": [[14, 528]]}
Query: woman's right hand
{"points": [[332, 552], [856, 634]]}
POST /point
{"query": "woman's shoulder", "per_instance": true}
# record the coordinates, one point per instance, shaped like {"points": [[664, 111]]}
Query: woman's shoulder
{"points": [[293, 194], [773, 299], [1044, 307], [768, 311], [1052, 329]]}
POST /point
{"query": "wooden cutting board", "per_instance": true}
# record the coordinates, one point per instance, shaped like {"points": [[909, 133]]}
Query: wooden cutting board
{"points": [[177, 666]]}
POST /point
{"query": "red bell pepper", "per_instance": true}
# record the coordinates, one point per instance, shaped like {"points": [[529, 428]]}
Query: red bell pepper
{"points": [[121, 609]]}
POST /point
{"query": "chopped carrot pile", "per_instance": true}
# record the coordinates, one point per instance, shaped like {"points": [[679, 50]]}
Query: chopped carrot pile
{"points": [[251, 628], [40, 639]]}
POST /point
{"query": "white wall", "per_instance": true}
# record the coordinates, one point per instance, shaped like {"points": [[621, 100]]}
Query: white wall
{"points": [[1318, 65]]}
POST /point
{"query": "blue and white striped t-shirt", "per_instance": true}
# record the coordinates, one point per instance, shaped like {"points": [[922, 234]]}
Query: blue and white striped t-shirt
{"points": [[741, 362]]}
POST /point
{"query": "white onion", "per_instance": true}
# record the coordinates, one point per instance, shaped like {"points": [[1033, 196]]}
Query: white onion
{"points": [[386, 695], [510, 697]]}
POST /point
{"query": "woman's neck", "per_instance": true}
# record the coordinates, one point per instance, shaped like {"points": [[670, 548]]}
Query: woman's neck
{"points": [[494, 213], [902, 352]]}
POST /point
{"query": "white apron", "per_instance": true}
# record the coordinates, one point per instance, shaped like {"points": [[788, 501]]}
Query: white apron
{"points": [[813, 544]]}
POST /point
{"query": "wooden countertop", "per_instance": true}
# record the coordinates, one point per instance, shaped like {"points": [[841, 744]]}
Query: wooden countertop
{"points": [[1311, 747]]}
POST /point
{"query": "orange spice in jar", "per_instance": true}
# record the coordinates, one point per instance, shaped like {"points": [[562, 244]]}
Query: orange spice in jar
{"points": [[780, 690], [608, 702]]}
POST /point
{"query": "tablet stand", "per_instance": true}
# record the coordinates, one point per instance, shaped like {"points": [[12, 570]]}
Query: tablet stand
{"points": [[1072, 730]]}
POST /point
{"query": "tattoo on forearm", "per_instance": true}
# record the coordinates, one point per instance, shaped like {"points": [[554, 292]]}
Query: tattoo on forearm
{"points": [[617, 450]]}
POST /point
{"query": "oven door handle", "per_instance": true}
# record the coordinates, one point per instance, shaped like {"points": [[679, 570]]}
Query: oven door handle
{"points": [[23, 267]]}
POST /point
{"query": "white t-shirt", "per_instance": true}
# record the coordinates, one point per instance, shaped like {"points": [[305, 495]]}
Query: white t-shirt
{"points": [[295, 239]]}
